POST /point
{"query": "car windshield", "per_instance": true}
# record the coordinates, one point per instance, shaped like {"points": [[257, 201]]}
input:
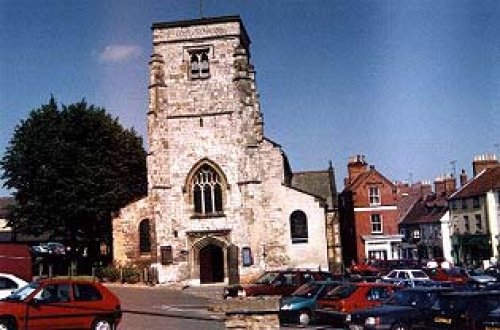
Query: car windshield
{"points": [[409, 298], [23, 293], [341, 292], [452, 271], [476, 272], [418, 274], [307, 290], [267, 278]]}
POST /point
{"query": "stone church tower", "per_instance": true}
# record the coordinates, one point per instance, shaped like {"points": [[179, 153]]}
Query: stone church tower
{"points": [[221, 201]]}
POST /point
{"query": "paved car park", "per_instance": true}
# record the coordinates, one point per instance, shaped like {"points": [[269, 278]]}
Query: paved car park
{"points": [[156, 308], [159, 308]]}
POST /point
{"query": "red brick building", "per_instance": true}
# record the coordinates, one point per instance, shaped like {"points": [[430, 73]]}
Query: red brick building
{"points": [[368, 214]]}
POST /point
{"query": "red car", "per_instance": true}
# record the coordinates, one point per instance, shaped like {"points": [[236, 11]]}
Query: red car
{"points": [[346, 298], [278, 283], [452, 275], [61, 304]]}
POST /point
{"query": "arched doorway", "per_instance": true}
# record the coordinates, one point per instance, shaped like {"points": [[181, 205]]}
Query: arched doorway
{"points": [[211, 264]]}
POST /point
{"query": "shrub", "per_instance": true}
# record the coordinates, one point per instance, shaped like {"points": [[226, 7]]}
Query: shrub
{"points": [[109, 273], [131, 274]]}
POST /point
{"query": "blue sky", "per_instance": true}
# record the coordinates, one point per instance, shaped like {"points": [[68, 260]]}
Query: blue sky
{"points": [[413, 85]]}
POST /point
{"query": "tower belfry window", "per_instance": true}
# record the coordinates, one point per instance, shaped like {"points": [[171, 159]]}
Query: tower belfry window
{"points": [[199, 64]]}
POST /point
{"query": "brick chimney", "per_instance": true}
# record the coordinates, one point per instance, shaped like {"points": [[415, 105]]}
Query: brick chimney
{"points": [[444, 185], [483, 162], [355, 167], [439, 186], [425, 188], [463, 178], [450, 184]]}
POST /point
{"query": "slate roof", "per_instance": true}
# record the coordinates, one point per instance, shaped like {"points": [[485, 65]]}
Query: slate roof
{"points": [[317, 183], [4, 202], [428, 209], [487, 180]]}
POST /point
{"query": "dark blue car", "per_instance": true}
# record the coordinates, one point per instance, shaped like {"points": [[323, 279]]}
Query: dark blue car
{"points": [[300, 306]]}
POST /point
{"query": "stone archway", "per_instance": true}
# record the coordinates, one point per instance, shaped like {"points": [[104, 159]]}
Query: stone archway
{"points": [[211, 259]]}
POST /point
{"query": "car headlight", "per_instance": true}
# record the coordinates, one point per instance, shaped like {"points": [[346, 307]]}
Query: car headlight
{"points": [[372, 320], [348, 318], [242, 293], [286, 307]]}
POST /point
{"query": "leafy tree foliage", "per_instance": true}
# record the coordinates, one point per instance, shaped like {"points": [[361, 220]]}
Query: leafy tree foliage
{"points": [[71, 168]]}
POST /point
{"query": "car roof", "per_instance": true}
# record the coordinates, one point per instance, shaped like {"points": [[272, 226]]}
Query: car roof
{"points": [[66, 280], [374, 284]]}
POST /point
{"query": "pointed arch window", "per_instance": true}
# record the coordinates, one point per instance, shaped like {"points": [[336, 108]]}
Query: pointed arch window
{"points": [[298, 227], [144, 236], [207, 191]]}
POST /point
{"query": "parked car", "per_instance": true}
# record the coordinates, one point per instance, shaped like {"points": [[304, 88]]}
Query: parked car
{"points": [[40, 248], [56, 248], [493, 271], [300, 307], [10, 283], [62, 303], [398, 275], [454, 275], [334, 306], [478, 277], [279, 283], [463, 310], [404, 310], [365, 269]]}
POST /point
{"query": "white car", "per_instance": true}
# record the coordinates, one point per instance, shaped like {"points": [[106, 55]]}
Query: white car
{"points": [[397, 275], [10, 283]]}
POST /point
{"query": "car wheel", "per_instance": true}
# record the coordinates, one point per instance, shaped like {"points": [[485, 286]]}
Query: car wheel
{"points": [[304, 317], [102, 324], [7, 325], [400, 326]]}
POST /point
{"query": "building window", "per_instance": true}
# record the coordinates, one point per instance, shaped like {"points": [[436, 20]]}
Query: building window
{"points": [[479, 222], [166, 254], [454, 205], [475, 202], [298, 227], [144, 237], [374, 193], [416, 233], [376, 222], [466, 223], [464, 204], [199, 66], [207, 191]]}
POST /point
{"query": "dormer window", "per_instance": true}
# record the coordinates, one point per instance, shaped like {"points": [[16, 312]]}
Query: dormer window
{"points": [[199, 66]]}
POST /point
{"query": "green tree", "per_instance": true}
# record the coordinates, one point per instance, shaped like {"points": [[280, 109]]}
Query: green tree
{"points": [[70, 169]]}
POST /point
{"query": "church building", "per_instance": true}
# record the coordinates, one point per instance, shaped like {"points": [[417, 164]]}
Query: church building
{"points": [[223, 203]]}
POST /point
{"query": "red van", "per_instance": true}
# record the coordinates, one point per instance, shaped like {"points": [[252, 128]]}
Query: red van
{"points": [[15, 258]]}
